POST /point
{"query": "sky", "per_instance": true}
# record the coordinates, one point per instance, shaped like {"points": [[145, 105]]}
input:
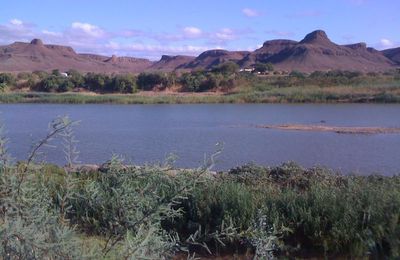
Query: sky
{"points": [[151, 28]]}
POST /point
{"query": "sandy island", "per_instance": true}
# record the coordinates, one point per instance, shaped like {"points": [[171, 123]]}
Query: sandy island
{"points": [[335, 129]]}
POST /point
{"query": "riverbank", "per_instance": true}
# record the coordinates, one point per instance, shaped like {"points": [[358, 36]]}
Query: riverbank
{"points": [[304, 94], [335, 129], [116, 212]]}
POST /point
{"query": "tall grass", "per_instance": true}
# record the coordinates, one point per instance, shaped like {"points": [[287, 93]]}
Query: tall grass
{"points": [[306, 94]]}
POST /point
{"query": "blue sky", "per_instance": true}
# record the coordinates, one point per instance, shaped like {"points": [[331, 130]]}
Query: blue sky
{"points": [[155, 27]]}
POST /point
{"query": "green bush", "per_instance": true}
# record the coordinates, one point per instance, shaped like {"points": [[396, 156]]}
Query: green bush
{"points": [[150, 81]]}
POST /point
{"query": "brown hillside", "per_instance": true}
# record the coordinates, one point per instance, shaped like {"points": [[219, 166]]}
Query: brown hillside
{"points": [[170, 63], [317, 52], [211, 58], [268, 49], [35, 55], [393, 55]]}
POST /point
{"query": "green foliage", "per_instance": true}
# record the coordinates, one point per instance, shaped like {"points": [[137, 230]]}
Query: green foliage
{"points": [[123, 84], [227, 68], [97, 82], [297, 74], [41, 74], [56, 72], [263, 67], [319, 86], [76, 78], [6, 80], [150, 81], [54, 83]]}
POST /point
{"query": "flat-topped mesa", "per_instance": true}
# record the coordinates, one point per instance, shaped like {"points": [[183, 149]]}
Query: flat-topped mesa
{"points": [[38, 42], [316, 37], [213, 53], [278, 42], [167, 57]]}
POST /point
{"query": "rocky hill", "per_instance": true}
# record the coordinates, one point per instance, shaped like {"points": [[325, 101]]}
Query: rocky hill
{"points": [[211, 58], [35, 55], [393, 54], [169, 63], [315, 52]]}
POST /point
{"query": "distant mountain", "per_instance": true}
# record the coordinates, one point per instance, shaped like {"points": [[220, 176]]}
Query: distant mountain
{"points": [[35, 55], [393, 55], [315, 52], [169, 63], [211, 58]]}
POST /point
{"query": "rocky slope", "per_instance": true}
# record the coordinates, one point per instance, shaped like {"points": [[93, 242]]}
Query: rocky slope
{"points": [[35, 55], [315, 52], [393, 55]]}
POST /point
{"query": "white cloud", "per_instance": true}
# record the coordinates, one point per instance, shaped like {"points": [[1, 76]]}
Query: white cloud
{"points": [[16, 22], [386, 43], [90, 38], [192, 32], [50, 33], [225, 34], [250, 12], [89, 29], [154, 51]]}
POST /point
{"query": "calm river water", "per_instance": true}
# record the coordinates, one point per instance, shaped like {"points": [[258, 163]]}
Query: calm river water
{"points": [[149, 133]]}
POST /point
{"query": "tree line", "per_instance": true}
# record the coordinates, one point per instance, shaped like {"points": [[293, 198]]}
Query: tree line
{"points": [[220, 76], [224, 77]]}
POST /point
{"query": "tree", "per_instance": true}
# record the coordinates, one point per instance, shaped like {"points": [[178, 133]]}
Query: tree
{"points": [[96, 82], [263, 67], [76, 78], [297, 74], [148, 81], [56, 72], [227, 68], [123, 84], [192, 81], [7, 79]]}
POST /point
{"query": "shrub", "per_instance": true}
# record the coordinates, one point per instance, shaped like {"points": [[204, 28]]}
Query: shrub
{"points": [[96, 82], [227, 68], [150, 81], [6, 80], [123, 84]]}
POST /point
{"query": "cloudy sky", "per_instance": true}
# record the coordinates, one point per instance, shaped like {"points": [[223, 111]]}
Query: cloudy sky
{"points": [[154, 27]]}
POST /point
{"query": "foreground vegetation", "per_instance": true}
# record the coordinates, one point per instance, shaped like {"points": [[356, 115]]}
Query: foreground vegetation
{"points": [[222, 84], [158, 212]]}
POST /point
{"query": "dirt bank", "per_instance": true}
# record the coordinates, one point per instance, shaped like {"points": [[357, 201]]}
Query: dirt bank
{"points": [[335, 129]]}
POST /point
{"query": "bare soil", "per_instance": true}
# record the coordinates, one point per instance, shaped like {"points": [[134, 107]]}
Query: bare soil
{"points": [[335, 129]]}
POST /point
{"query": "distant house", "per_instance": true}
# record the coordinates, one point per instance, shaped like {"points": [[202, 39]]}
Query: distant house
{"points": [[64, 74], [247, 70]]}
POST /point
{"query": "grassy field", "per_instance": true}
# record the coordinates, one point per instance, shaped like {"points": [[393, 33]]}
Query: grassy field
{"points": [[377, 93]]}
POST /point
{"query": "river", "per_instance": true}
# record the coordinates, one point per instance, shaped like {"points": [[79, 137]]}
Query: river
{"points": [[149, 133]]}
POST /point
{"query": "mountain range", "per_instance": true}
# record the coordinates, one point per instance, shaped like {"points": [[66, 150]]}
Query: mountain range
{"points": [[315, 52]]}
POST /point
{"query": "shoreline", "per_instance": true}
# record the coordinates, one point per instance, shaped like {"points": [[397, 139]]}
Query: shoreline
{"points": [[335, 129], [244, 97]]}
